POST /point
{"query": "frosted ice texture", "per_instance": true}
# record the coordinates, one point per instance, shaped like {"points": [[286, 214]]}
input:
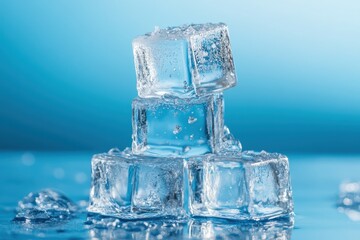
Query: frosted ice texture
{"points": [[131, 187], [45, 206], [247, 186], [184, 61], [177, 127]]}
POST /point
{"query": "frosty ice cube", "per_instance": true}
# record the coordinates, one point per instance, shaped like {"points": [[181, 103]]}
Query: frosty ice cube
{"points": [[249, 185], [112, 179], [159, 187], [177, 127], [184, 61], [128, 186]]}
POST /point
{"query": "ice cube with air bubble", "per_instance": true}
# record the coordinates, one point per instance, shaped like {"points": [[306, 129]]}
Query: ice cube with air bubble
{"points": [[132, 187], [184, 61], [248, 186], [183, 161], [177, 127]]}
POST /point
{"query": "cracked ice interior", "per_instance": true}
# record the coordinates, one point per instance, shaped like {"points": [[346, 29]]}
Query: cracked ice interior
{"points": [[184, 162]]}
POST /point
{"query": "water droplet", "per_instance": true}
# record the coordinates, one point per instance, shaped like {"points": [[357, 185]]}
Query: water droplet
{"points": [[28, 159], [191, 120], [80, 177], [177, 129], [59, 173], [191, 136], [114, 151]]}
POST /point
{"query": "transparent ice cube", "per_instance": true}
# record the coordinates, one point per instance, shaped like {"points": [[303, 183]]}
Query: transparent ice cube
{"points": [[184, 61], [112, 179], [177, 127], [129, 186], [249, 185], [159, 187]]}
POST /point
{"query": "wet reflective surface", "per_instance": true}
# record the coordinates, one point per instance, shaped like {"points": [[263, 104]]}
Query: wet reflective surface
{"points": [[316, 180]]}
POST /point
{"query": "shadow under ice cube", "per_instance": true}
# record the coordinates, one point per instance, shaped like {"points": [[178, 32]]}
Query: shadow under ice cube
{"points": [[177, 127], [184, 61], [250, 185]]}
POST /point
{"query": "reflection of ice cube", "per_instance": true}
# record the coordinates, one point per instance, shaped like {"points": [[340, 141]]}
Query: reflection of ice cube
{"points": [[183, 61], [222, 229], [130, 186], [177, 127], [246, 186]]}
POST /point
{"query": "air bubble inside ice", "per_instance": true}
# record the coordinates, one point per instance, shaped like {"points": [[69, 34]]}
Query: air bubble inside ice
{"points": [[177, 129], [45, 206], [191, 120]]}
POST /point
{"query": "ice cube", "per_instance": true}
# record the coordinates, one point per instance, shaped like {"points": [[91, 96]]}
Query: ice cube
{"points": [[112, 179], [129, 186], [249, 185], [177, 127], [159, 187], [184, 61]]}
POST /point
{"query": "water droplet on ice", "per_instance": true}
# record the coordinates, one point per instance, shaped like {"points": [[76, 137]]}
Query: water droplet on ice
{"points": [[114, 151]]}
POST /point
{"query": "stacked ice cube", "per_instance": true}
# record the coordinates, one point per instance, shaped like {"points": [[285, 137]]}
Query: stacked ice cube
{"points": [[184, 161]]}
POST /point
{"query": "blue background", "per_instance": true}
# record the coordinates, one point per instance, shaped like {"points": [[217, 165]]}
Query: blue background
{"points": [[67, 77]]}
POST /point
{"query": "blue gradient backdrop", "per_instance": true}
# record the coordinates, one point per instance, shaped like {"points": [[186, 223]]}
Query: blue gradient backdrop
{"points": [[67, 76]]}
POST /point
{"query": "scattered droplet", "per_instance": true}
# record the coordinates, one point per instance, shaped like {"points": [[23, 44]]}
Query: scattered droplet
{"points": [[80, 177], [59, 173], [191, 120], [28, 159], [191, 136], [177, 129]]}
